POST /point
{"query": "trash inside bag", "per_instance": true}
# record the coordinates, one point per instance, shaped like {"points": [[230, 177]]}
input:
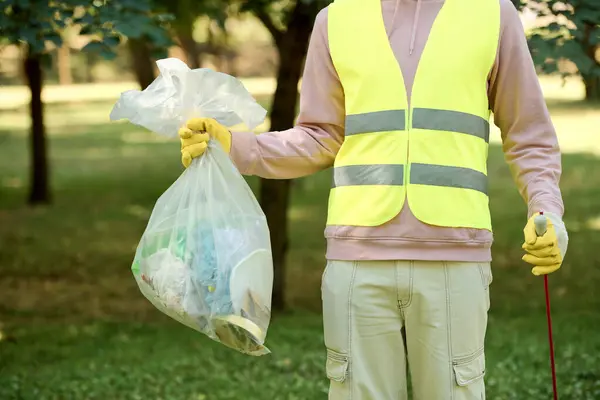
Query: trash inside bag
{"points": [[205, 256]]}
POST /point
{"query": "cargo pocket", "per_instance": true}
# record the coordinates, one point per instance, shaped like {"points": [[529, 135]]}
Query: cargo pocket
{"points": [[470, 370], [337, 366]]}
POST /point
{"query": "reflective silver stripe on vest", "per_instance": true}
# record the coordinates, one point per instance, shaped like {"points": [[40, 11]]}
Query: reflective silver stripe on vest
{"points": [[440, 175], [420, 174], [379, 121], [378, 174], [451, 121]]}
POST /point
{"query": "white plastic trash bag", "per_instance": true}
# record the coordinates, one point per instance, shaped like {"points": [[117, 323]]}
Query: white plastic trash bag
{"points": [[205, 256], [180, 93]]}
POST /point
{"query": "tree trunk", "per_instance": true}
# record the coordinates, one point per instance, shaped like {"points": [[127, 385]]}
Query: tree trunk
{"points": [[39, 188], [63, 61], [90, 62], [518, 4], [142, 62], [592, 87], [275, 194], [592, 80], [189, 46]]}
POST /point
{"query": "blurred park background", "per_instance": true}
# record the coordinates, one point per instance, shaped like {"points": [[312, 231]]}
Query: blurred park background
{"points": [[76, 192]]}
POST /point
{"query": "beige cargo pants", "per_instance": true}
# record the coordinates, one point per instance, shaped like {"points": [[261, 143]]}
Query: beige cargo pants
{"points": [[379, 315]]}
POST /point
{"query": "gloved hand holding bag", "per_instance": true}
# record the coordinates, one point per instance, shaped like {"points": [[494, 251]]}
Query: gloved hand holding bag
{"points": [[205, 256]]}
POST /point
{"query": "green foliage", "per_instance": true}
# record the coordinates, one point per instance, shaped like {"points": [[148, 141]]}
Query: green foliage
{"points": [[572, 33], [35, 22]]}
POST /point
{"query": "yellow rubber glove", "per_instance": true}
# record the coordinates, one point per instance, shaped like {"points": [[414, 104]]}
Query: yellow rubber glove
{"points": [[545, 252], [194, 138]]}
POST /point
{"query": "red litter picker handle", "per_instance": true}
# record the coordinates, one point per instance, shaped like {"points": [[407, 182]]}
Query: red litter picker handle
{"points": [[541, 226]]}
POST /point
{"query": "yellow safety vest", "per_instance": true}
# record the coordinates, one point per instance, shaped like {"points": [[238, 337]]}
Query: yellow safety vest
{"points": [[433, 153]]}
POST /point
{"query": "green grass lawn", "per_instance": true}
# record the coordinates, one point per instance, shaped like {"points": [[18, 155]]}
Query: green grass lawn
{"points": [[74, 325]]}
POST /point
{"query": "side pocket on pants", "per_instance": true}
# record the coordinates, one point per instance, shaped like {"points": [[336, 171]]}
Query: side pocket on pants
{"points": [[469, 370], [469, 303], [336, 291], [485, 269], [337, 366]]}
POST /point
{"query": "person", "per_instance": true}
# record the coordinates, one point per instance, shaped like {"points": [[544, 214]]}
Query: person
{"points": [[397, 97]]}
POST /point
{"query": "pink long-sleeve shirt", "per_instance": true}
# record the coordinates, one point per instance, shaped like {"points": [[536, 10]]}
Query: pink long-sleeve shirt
{"points": [[529, 140]]}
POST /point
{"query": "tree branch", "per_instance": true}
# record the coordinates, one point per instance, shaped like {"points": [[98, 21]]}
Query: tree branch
{"points": [[267, 21]]}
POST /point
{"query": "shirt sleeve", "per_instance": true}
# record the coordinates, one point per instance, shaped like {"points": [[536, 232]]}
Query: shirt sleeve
{"points": [[529, 139], [312, 144]]}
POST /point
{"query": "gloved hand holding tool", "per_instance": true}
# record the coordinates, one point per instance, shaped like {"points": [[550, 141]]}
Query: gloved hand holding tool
{"points": [[545, 249], [546, 243]]}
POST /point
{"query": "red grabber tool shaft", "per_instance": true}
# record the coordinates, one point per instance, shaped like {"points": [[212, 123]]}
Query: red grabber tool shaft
{"points": [[541, 225]]}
